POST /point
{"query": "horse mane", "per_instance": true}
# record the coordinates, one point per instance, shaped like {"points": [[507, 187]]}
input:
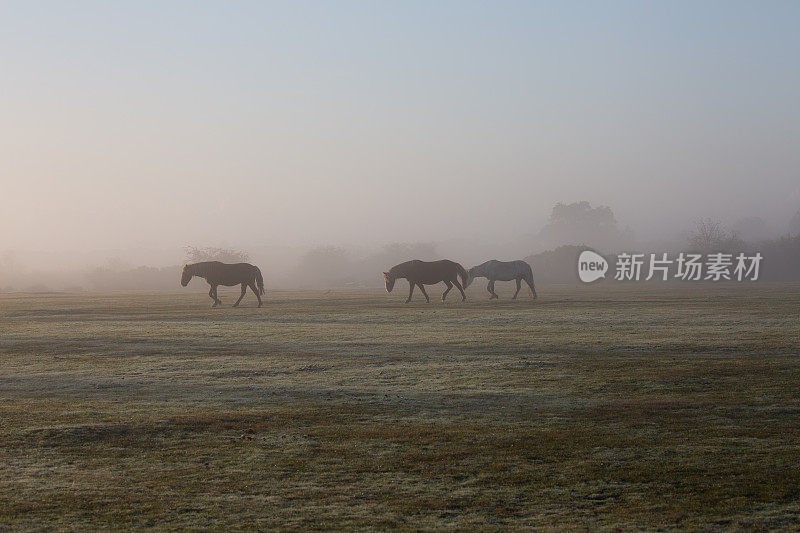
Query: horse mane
{"points": [[481, 269], [398, 269], [200, 269]]}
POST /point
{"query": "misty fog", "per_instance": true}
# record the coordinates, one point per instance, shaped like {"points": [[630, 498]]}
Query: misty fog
{"points": [[355, 135]]}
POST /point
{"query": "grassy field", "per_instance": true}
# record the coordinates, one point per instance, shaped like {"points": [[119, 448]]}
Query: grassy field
{"points": [[597, 407]]}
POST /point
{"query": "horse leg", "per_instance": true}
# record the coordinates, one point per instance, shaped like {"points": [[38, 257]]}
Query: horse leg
{"points": [[490, 288], [460, 289], [410, 291], [212, 293], [255, 291], [244, 290], [422, 288], [449, 286], [519, 284], [533, 289]]}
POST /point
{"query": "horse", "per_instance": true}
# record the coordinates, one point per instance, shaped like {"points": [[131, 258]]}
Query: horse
{"points": [[421, 273], [495, 270], [216, 273]]}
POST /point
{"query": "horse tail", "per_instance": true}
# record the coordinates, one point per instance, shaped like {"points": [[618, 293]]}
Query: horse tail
{"points": [[463, 273], [529, 274], [259, 280]]}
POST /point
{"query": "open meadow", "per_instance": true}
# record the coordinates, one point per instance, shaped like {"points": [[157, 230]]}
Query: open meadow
{"points": [[600, 407]]}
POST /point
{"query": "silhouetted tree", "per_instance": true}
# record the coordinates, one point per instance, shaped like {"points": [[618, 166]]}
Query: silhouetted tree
{"points": [[370, 268], [225, 255], [781, 258], [397, 252], [794, 224], [712, 236], [557, 266], [751, 229], [143, 277], [580, 223], [326, 266]]}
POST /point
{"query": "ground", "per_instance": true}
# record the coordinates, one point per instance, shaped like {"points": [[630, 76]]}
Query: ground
{"points": [[594, 407]]}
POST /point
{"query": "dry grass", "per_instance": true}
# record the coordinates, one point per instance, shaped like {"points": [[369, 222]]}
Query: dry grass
{"points": [[633, 407]]}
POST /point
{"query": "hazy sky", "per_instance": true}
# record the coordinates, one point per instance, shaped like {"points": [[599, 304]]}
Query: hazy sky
{"points": [[171, 123]]}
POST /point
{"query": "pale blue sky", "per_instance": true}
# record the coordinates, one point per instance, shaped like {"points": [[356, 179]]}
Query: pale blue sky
{"points": [[165, 123]]}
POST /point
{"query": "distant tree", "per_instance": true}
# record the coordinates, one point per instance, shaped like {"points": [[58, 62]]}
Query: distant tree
{"points": [[707, 234], [7, 263], [580, 223], [712, 236], [557, 266], [7, 259], [794, 224], [751, 229], [368, 269], [781, 258], [225, 255], [326, 266], [116, 264], [142, 277], [399, 252]]}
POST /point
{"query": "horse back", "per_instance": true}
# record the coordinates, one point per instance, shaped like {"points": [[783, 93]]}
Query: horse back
{"points": [[427, 272], [229, 274]]}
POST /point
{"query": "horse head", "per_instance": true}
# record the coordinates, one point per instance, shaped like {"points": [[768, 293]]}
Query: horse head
{"points": [[389, 280], [470, 277], [186, 275]]}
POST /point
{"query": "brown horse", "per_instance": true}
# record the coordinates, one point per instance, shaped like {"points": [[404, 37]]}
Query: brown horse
{"points": [[216, 273], [421, 273]]}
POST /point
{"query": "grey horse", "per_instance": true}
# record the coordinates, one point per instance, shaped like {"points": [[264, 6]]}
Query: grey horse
{"points": [[495, 270]]}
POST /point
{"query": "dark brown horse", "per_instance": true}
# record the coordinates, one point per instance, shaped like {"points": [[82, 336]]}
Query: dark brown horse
{"points": [[216, 273], [421, 273]]}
